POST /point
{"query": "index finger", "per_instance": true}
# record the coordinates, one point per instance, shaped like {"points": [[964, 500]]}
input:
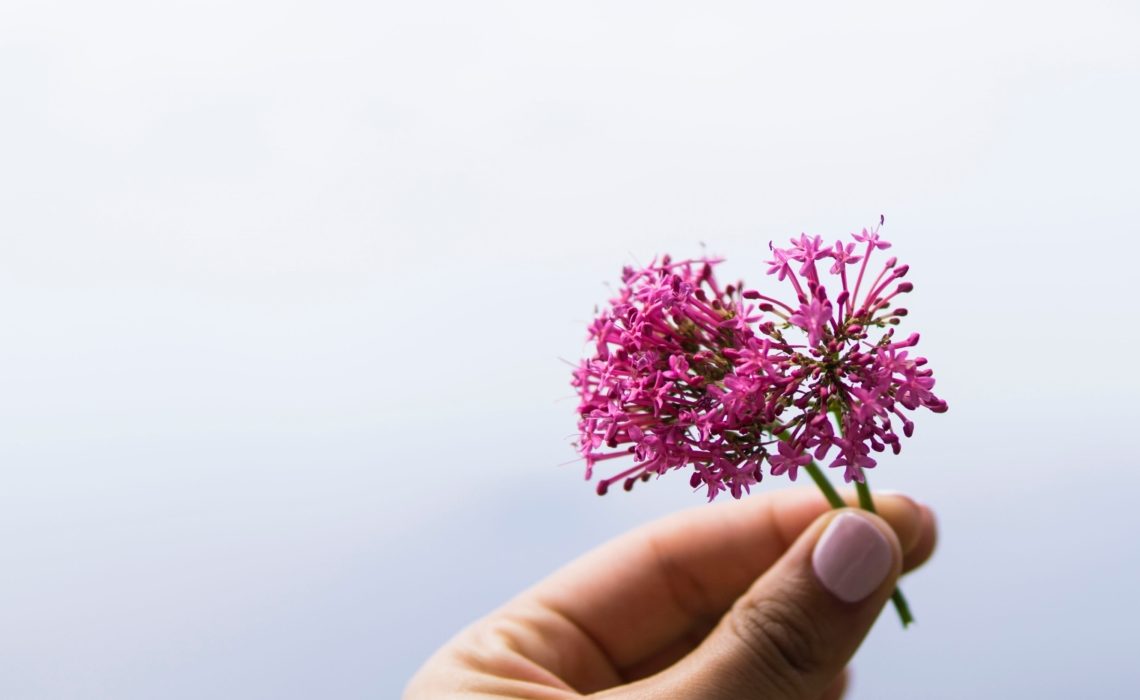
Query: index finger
{"points": [[638, 594]]}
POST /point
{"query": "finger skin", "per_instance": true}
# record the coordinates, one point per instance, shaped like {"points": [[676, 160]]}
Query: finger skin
{"points": [[787, 638], [639, 604], [838, 687], [638, 595], [923, 547]]}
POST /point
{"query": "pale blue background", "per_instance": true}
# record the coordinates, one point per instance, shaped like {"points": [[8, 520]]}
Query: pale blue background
{"points": [[284, 289]]}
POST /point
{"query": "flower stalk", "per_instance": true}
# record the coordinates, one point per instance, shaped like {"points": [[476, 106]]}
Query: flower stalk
{"points": [[732, 384], [866, 503]]}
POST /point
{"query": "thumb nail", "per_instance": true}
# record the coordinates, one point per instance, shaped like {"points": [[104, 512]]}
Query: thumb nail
{"points": [[852, 557]]}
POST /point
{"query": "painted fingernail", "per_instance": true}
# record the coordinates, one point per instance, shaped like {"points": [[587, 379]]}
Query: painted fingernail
{"points": [[852, 557]]}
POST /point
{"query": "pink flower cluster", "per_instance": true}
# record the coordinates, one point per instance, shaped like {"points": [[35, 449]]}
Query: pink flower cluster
{"points": [[687, 373]]}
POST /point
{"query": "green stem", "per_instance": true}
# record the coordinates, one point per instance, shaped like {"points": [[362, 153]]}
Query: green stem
{"points": [[824, 485], [867, 504], [864, 492]]}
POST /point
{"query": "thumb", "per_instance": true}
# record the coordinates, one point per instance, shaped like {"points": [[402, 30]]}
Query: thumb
{"points": [[792, 633]]}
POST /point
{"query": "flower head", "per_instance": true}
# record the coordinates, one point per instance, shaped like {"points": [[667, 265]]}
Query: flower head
{"points": [[689, 374], [813, 317]]}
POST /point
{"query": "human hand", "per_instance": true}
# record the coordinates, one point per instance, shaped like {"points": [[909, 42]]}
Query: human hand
{"points": [[767, 597]]}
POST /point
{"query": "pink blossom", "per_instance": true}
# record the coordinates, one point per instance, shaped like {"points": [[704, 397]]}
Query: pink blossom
{"points": [[722, 380], [779, 262], [843, 255], [788, 459], [813, 318], [871, 238], [807, 251]]}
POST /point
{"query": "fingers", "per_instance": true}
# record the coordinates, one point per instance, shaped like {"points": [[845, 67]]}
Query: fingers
{"points": [[647, 598], [838, 687], [791, 634], [923, 546]]}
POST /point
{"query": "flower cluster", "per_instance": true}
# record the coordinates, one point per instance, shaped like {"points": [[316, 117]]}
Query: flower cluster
{"points": [[687, 373]]}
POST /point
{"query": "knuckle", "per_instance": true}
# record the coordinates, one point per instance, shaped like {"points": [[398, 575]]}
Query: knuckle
{"points": [[783, 641]]}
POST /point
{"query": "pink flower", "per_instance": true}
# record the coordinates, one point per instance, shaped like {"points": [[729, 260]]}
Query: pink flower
{"points": [[842, 254], [871, 238], [779, 262], [807, 251], [687, 374], [813, 318], [788, 459]]}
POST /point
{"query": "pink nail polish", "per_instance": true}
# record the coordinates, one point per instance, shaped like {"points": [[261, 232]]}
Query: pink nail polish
{"points": [[852, 557]]}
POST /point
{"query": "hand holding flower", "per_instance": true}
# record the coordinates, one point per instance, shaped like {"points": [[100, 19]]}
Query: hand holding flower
{"points": [[762, 598], [688, 373]]}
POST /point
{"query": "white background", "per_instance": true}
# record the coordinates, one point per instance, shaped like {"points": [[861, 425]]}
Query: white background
{"points": [[286, 290]]}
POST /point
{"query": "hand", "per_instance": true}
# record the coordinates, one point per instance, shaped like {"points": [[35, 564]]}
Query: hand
{"points": [[745, 599]]}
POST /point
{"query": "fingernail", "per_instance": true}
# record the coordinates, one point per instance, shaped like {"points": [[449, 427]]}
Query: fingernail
{"points": [[852, 557]]}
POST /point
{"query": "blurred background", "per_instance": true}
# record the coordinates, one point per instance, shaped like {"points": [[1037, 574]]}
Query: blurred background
{"points": [[287, 292]]}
